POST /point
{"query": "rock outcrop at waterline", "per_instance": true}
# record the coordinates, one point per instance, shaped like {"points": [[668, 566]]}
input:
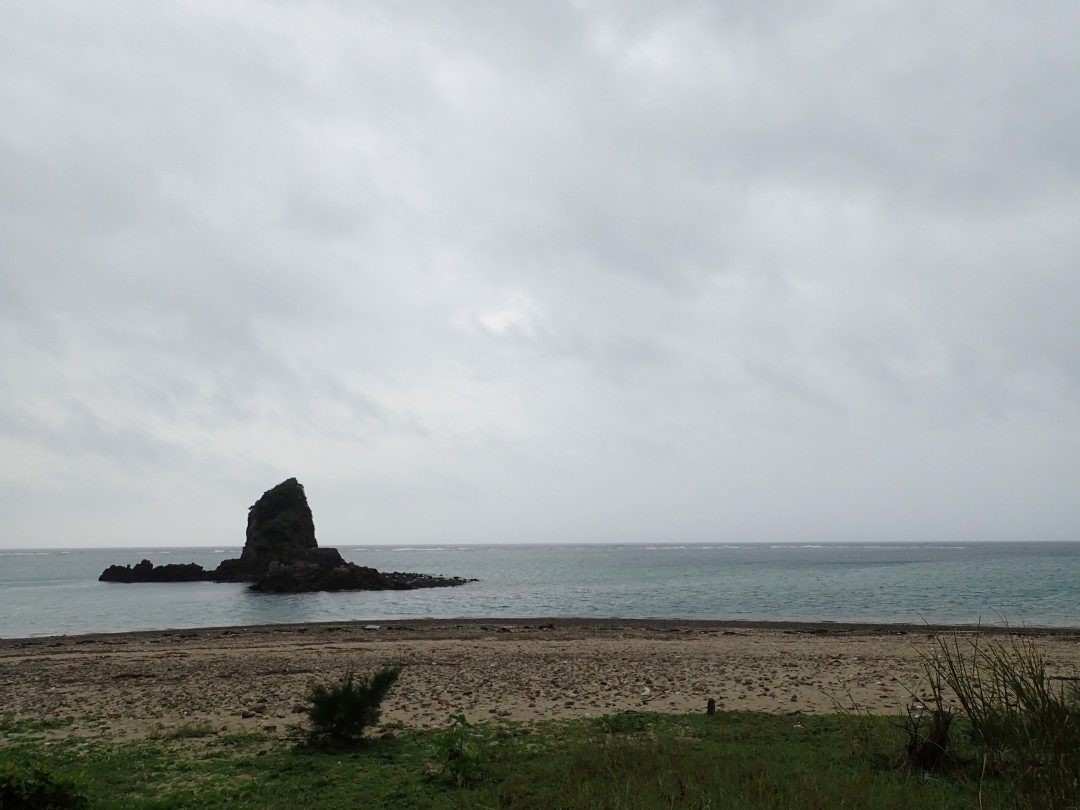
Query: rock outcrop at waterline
{"points": [[303, 577], [146, 571], [281, 555]]}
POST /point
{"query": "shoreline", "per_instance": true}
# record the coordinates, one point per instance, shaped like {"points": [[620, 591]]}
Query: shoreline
{"points": [[452, 627], [143, 684]]}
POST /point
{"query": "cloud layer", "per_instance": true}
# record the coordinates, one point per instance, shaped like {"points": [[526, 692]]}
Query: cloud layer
{"points": [[549, 272]]}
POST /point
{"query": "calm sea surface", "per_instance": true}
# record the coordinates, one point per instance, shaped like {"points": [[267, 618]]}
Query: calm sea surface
{"points": [[57, 592]]}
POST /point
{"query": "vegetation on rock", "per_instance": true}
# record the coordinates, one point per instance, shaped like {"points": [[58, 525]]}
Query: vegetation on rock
{"points": [[280, 528]]}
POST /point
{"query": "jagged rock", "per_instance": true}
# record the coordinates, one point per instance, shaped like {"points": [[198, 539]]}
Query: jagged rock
{"points": [[304, 577], [281, 555], [280, 529], [401, 581], [230, 571], [146, 571]]}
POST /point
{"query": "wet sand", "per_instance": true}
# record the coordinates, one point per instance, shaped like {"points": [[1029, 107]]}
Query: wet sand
{"points": [[134, 685]]}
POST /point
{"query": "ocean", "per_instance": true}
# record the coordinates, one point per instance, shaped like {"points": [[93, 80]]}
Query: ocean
{"points": [[56, 592]]}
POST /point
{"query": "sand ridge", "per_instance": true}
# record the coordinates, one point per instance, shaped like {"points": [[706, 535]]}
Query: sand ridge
{"points": [[134, 685]]}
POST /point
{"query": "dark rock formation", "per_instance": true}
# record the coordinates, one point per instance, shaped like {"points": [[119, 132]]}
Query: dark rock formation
{"points": [[281, 556], [345, 576], [279, 529], [146, 571]]}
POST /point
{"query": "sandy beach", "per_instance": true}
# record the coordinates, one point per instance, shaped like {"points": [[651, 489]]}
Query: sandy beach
{"points": [[135, 685]]}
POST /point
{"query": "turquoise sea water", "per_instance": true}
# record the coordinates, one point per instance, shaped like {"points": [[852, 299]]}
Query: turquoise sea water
{"points": [[57, 592]]}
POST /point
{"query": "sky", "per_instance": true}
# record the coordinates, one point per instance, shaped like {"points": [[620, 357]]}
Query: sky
{"points": [[561, 272]]}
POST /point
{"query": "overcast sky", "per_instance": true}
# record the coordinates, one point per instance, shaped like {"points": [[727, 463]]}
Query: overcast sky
{"points": [[540, 272]]}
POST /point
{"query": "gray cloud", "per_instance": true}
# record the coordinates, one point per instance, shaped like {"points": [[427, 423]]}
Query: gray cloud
{"points": [[548, 272]]}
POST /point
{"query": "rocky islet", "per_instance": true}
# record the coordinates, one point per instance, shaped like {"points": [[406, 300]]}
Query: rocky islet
{"points": [[281, 555]]}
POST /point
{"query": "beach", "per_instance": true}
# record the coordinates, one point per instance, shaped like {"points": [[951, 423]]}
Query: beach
{"points": [[139, 685]]}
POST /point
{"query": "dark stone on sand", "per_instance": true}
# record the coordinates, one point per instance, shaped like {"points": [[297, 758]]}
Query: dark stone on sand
{"points": [[281, 555]]}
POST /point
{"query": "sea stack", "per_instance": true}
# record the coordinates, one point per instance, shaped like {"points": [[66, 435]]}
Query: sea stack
{"points": [[281, 555], [280, 529]]}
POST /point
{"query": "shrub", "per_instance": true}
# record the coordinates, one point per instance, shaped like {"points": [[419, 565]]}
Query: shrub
{"points": [[37, 789], [928, 736], [187, 731], [624, 723], [340, 712], [461, 752], [1024, 726]]}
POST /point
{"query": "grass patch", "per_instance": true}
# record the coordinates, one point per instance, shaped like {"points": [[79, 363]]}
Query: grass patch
{"points": [[9, 724], [1023, 722], [191, 730], [743, 760], [38, 788]]}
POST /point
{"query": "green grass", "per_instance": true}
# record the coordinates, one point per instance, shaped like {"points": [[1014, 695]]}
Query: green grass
{"points": [[185, 731], [11, 726], [1022, 721], [736, 760]]}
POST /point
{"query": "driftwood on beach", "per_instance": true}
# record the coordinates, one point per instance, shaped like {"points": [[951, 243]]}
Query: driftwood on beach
{"points": [[281, 555]]}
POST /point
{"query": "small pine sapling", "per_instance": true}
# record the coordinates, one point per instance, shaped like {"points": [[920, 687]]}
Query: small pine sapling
{"points": [[341, 711]]}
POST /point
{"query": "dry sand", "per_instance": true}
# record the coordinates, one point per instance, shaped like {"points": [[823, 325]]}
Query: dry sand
{"points": [[134, 685]]}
